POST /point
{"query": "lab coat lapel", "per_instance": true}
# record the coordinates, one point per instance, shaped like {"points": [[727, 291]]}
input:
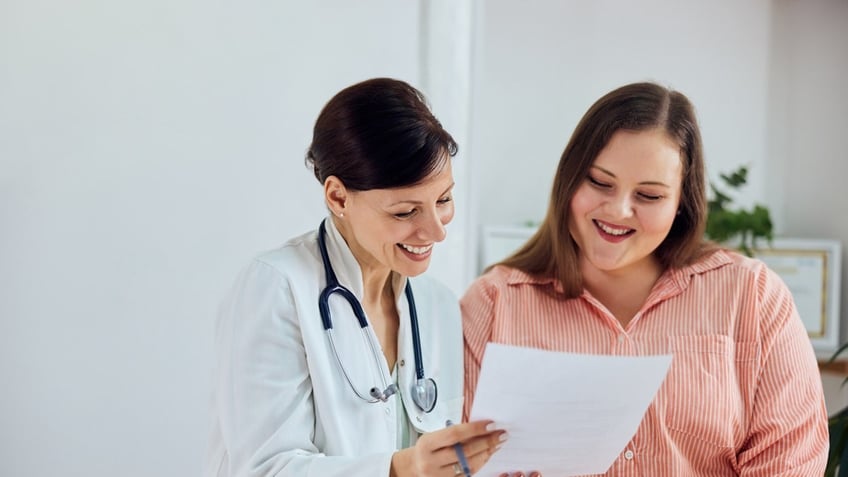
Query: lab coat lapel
{"points": [[344, 263]]}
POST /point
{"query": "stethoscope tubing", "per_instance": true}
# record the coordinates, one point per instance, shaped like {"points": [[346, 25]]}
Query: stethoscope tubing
{"points": [[416, 337], [333, 286]]}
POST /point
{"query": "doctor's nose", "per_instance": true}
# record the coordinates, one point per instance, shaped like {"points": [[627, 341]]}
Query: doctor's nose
{"points": [[434, 227]]}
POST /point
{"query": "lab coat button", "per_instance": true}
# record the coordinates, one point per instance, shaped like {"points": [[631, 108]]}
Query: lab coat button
{"points": [[418, 418], [388, 411], [402, 362], [628, 454]]}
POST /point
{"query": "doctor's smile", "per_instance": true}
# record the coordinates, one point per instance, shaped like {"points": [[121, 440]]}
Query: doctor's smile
{"points": [[417, 252]]}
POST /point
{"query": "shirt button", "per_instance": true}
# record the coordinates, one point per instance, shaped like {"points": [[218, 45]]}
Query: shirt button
{"points": [[388, 411], [628, 454], [621, 338], [402, 362]]}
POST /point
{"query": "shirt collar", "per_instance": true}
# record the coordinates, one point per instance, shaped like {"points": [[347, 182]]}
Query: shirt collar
{"points": [[673, 281], [682, 276]]}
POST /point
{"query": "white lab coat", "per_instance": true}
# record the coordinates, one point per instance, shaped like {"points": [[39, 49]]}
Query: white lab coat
{"points": [[281, 406]]}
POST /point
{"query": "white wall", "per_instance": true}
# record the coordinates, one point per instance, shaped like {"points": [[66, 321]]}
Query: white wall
{"points": [[541, 64], [808, 121], [148, 149]]}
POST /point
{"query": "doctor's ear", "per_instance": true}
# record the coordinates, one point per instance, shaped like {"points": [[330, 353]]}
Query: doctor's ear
{"points": [[335, 194]]}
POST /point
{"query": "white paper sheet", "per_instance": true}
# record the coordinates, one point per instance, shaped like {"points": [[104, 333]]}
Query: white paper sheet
{"points": [[566, 414]]}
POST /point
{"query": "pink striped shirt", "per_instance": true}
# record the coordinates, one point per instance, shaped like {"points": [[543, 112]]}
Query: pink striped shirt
{"points": [[743, 395]]}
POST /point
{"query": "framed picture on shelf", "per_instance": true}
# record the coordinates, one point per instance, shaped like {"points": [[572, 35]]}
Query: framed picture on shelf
{"points": [[811, 270]]}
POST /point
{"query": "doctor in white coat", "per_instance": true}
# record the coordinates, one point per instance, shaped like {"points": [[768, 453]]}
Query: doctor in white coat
{"points": [[332, 360]]}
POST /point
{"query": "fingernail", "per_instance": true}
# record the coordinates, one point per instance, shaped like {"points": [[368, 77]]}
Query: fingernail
{"points": [[491, 426], [503, 437]]}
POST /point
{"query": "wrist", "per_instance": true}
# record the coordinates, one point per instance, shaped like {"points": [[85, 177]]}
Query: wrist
{"points": [[400, 462]]}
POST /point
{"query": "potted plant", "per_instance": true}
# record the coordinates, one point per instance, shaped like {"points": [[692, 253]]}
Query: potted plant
{"points": [[729, 225]]}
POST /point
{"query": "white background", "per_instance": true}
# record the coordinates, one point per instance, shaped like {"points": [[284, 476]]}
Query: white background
{"points": [[149, 149]]}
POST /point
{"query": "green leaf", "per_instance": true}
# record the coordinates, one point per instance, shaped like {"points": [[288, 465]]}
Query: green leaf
{"points": [[725, 224], [736, 178]]}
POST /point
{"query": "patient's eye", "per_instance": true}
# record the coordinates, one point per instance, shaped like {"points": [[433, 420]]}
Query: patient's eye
{"points": [[649, 197], [597, 183]]}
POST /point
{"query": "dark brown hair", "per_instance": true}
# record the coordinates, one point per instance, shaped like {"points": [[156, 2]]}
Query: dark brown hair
{"points": [[552, 252], [378, 134]]}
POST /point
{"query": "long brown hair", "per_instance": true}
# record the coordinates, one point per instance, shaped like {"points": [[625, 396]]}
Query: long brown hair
{"points": [[552, 252]]}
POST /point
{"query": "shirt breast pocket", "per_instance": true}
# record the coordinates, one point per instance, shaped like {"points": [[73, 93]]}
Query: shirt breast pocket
{"points": [[701, 397]]}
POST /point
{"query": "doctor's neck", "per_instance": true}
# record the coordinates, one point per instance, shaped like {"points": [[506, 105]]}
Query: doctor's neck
{"points": [[377, 277]]}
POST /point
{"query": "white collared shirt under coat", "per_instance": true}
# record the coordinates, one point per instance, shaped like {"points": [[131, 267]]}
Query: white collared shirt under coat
{"points": [[282, 406]]}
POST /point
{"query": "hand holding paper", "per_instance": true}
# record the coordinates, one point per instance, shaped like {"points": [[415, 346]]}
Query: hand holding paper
{"points": [[566, 414]]}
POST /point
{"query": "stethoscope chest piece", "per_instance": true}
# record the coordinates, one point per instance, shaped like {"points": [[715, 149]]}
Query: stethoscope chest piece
{"points": [[425, 393]]}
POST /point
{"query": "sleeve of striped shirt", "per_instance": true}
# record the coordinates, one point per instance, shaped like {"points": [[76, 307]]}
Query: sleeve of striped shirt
{"points": [[477, 315], [788, 433]]}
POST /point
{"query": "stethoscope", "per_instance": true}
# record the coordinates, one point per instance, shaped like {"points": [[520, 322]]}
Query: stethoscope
{"points": [[424, 391]]}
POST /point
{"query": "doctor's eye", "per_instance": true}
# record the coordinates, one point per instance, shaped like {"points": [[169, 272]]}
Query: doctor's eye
{"points": [[444, 200], [405, 215]]}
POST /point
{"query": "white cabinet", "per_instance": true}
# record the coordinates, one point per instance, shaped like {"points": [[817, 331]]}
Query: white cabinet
{"points": [[499, 241]]}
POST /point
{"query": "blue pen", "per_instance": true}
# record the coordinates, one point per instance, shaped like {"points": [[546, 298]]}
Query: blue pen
{"points": [[463, 462]]}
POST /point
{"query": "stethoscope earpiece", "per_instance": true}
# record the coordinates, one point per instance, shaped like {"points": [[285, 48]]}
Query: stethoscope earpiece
{"points": [[424, 390]]}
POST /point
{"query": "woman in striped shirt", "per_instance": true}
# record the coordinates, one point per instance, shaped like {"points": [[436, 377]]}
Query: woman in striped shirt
{"points": [[619, 266]]}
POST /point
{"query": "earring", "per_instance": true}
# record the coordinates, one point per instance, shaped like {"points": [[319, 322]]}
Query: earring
{"points": [[341, 215]]}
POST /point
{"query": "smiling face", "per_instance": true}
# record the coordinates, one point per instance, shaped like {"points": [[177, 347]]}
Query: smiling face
{"points": [[395, 229], [625, 207]]}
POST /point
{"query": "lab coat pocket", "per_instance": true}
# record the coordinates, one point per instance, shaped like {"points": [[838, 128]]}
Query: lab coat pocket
{"points": [[450, 409], [453, 409], [700, 396]]}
